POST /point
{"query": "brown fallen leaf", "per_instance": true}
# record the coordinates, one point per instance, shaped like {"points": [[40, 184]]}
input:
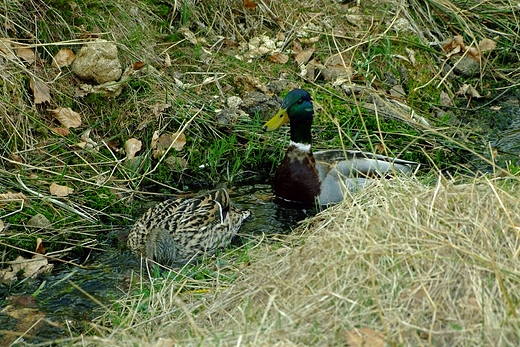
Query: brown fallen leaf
{"points": [[468, 90], [161, 144], [61, 131], [58, 190], [380, 148], [27, 319], [28, 267], [67, 117], [138, 65], [8, 197], [16, 158], [22, 300], [26, 54], [487, 45], [41, 91], [167, 60], [39, 246], [113, 146], [64, 57], [250, 4], [304, 56], [279, 58], [7, 48], [132, 146]]}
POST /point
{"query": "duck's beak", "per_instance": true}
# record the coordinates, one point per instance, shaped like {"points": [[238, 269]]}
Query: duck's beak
{"points": [[277, 121]]}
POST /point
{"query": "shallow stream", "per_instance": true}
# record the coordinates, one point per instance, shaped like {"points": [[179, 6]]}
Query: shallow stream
{"points": [[62, 303]]}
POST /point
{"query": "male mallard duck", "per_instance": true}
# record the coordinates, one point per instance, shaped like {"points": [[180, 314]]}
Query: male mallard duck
{"points": [[324, 176], [176, 231]]}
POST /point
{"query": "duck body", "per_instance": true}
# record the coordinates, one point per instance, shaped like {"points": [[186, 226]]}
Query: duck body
{"points": [[322, 177], [177, 231]]}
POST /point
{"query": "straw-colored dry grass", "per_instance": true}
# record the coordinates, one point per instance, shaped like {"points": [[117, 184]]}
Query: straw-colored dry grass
{"points": [[418, 265]]}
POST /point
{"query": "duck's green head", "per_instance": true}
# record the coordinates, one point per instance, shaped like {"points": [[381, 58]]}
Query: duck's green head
{"points": [[296, 108]]}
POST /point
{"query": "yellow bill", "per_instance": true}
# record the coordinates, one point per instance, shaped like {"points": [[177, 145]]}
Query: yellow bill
{"points": [[277, 121]]}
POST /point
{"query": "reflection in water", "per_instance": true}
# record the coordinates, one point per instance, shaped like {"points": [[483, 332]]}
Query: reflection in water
{"points": [[68, 295], [267, 216]]}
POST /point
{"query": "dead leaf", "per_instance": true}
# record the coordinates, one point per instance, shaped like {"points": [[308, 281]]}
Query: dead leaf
{"points": [[454, 46], [88, 143], [28, 267], [487, 45], [58, 190], [380, 148], [64, 57], [24, 300], [468, 90], [113, 146], [132, 146], [8, 197], [365, 337], [138, 65], [304, 56], [67, 117], [473, 52], [61, 131], [26, 54], [23, 313], [250, 4], [16, 158], [167, 60], [279, 58], [41, 91], [39, 246], [445, 99], [161, 144], [7, 48], [297, 47], [2, 225]]}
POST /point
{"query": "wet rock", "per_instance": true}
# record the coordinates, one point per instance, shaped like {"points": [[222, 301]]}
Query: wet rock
{"points": [[98, 61], [39, 221], [256, 102], [233, 102], [467, 67], [278, 86]]}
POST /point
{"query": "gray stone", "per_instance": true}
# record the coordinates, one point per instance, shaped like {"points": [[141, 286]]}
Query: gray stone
{"points": [[97, 61]]}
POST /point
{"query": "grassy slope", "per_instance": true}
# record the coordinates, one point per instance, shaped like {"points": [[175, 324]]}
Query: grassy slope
{"points": [[373, 40]]}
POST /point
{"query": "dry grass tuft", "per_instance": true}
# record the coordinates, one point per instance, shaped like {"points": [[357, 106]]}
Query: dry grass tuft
{"points": [[418, 265]]}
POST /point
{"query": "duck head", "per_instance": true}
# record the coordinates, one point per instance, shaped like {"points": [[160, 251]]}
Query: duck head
{"points": [[296, 109]]}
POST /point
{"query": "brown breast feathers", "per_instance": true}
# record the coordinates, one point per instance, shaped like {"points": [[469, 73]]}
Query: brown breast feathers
{"points": [[296, 178]]}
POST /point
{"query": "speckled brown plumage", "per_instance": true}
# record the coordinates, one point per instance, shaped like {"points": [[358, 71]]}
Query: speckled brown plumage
{"points": [[177, 231]]}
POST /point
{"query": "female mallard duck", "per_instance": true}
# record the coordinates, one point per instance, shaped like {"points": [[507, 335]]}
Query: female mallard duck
{"points": [[176, 231], [324, 176]]}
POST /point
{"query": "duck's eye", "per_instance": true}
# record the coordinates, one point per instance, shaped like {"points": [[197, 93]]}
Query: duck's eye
{"points": [[300, 102]]}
